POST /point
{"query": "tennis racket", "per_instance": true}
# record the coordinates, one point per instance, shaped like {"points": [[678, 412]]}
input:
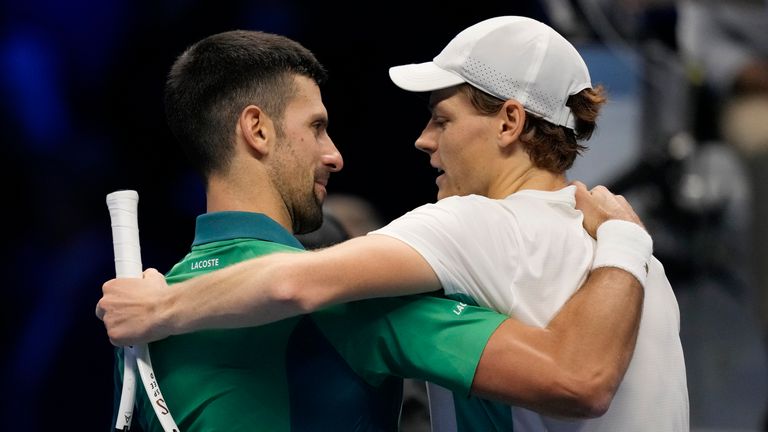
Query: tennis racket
{"points": [[123, 206]]}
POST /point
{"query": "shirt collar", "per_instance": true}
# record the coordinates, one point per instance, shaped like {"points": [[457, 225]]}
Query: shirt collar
{"points": [[228, 225]]}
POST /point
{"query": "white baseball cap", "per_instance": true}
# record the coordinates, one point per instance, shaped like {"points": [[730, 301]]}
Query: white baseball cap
{"points": [[510, 57]]}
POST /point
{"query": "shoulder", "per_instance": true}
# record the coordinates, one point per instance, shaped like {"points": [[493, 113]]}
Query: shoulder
{"points": [[460, 205]]}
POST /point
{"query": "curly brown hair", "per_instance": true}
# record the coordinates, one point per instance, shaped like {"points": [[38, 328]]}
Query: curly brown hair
{"points": [[550, 146]]}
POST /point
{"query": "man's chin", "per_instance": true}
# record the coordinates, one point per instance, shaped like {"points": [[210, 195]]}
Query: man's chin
{"points": [[310, 219]]}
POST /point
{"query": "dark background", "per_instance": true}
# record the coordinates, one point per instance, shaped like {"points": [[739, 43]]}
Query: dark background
{"points": [[81, 115]]}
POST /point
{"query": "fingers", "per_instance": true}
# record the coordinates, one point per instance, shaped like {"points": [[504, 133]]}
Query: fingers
{"points": [[109, 286], [601, 192], [599, 204], [101, 309], [612, 205], [129, 308], [579, 185], [581, 191]]}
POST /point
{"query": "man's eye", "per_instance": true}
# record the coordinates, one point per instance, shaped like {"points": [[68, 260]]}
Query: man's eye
{"points": [[439, 121]]}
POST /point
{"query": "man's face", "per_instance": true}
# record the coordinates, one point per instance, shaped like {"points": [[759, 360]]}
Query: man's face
{"points": [[305, 157], [459, 140]]}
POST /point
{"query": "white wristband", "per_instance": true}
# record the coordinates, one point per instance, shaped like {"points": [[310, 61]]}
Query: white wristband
{"points": [[624, 245]]}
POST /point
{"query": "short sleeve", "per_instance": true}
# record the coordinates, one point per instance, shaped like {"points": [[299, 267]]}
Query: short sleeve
{"points": [[423, 337], [470, 242]]}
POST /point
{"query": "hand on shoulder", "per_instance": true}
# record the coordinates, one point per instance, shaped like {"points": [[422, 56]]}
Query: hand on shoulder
{"points": [[599, 205]]}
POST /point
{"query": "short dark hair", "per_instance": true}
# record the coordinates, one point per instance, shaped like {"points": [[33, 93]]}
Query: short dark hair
{"points": [[550, 146], [212, 81]]}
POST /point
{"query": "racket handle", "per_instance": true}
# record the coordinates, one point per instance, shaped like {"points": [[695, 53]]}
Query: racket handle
{"points": [[123, 213]]}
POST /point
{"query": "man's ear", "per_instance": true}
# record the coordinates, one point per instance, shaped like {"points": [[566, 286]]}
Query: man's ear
{"points": [[256, 129], [512, 122]]}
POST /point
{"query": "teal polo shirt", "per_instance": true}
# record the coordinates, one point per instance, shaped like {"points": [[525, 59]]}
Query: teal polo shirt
{"points": [[338, 369]]}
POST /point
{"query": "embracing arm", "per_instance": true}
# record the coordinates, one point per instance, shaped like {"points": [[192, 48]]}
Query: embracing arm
{"points": [[574, 366], [278, 286], [262, 290]]}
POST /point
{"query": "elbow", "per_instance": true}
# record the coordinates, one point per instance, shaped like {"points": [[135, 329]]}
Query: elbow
{"points": [[292, 292], [591, 396], [293, 296], [296, 284], [594, 402]]}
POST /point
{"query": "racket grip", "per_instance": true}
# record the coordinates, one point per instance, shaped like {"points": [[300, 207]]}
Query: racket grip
{"points": [[123, 207]]}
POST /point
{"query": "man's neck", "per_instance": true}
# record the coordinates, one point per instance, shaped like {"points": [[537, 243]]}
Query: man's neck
{"points": [[222, 195], [530, 178]]}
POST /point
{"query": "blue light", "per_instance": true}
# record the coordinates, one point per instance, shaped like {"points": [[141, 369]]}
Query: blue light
{"points": [[29, 76]]}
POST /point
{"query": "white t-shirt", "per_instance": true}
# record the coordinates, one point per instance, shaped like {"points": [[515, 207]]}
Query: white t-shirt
{"points": [[525, 256]]}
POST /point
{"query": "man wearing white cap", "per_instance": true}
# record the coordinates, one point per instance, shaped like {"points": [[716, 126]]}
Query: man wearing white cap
{"points": [[509, 99]]}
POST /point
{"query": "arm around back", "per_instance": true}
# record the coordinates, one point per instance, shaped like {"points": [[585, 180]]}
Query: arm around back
{"points": [[574, 366], [262, 290]]}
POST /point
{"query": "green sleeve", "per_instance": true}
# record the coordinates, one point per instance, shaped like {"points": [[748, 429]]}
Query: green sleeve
{"points": [[424, 337]]}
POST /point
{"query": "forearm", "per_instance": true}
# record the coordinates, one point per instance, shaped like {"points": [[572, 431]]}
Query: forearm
{"points": [[596, 332], [574, 366], [241, 295], [597, 329], [279, 286]]}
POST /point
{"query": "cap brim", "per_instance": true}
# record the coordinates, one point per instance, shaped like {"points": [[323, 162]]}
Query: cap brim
{"points": [[423, 77]]}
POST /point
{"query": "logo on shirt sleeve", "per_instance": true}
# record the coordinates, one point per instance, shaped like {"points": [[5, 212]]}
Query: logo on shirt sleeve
{"points": [[459, 308], [462, 301]]}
